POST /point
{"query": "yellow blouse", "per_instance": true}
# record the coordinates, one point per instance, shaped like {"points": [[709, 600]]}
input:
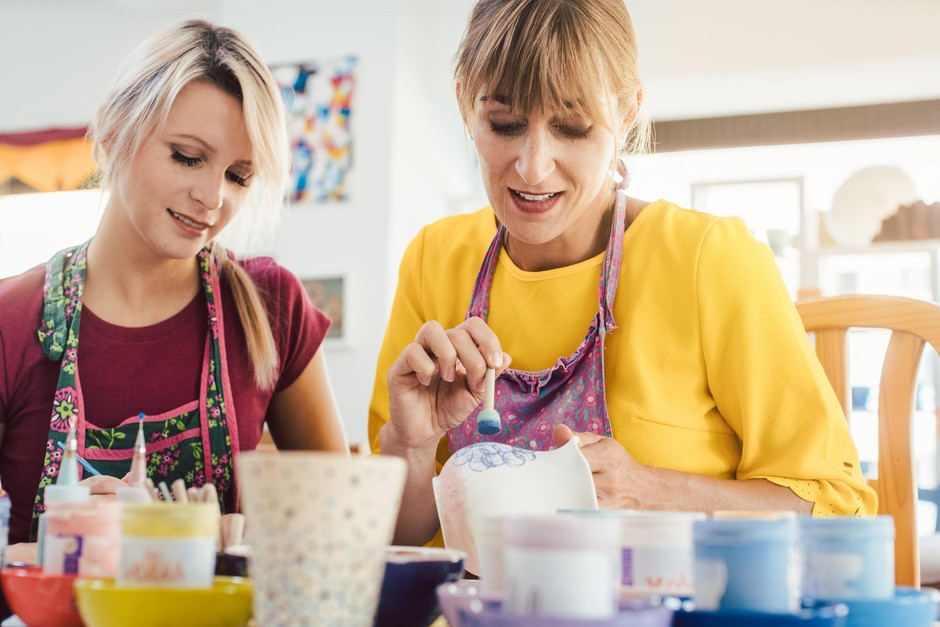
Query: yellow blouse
{"points": [[709, 370]]}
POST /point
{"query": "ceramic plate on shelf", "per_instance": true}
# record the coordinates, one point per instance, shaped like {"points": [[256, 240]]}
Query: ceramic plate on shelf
{"points": [[493, 479], [864, 200]]}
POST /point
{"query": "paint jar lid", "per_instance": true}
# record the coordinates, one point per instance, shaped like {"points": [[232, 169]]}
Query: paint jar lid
{"points": [[66, 494], [133, 494], [192, 520], [847, 528], [737, 531], [559, 531]]}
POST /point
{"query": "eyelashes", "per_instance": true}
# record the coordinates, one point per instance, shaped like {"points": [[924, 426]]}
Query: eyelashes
{"points": [[183, 159], [513, 129], [190, 162], [509, 129], [241, 181]]}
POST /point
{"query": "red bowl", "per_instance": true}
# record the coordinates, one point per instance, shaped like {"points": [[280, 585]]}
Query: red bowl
{"points": [[41, 600]]}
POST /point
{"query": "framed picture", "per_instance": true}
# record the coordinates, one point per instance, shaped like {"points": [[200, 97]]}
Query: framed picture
{"points": [[318, 98], [328, 295]]}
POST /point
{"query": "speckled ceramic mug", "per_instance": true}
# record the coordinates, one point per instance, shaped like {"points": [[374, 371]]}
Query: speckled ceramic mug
{"points": [[317, 524]]}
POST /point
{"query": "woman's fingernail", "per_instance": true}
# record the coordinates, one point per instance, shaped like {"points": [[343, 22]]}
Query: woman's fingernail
{"points": [[497, 359]]}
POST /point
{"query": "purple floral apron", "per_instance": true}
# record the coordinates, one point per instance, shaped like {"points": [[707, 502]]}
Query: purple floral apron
{"points": [[531, 403], [197, 442]]}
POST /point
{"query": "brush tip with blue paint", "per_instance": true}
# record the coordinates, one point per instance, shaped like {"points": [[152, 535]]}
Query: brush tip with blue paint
{"points": [[488, 421]]}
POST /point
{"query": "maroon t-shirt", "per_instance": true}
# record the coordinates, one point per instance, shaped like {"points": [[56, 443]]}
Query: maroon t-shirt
{"points": [[125, 371]]}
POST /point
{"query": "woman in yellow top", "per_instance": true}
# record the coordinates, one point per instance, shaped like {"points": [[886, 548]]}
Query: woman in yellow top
{"points": [[663, 336]]}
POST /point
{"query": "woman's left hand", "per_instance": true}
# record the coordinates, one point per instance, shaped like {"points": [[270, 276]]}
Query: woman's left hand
{"points": [[618, 478], [103, 487]]}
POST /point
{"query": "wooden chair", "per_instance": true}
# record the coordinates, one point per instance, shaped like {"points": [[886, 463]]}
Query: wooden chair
{"points": [[912, 323]]}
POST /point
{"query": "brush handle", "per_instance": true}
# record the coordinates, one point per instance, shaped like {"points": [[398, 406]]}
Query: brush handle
{"points": [[489, 388], [81, 460]]}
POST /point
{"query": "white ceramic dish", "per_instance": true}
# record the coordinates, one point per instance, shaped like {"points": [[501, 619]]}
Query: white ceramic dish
{"points": [[492, 479], [464, 605]]}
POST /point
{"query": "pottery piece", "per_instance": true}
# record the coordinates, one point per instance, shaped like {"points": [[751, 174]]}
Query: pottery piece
{"points": [[492, 479], [412, 575], [318, 524]]}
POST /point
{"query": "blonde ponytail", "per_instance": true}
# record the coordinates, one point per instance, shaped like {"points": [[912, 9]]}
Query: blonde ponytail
{"points": [[262, 350]]}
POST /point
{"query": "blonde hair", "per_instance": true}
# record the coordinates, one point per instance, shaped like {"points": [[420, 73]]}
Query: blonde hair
{"points": [[552, 55], [139, 102]]}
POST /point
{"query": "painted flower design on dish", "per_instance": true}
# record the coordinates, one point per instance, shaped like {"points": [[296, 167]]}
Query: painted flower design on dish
{"points": [[485, 455]]}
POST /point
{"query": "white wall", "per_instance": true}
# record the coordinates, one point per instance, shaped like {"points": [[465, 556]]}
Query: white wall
{"points": [[348, 239], [411, 160], [726, 57]]}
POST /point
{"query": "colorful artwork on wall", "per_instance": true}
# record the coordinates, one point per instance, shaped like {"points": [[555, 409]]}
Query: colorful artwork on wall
{"points": [[51, 160], [318, 96]]}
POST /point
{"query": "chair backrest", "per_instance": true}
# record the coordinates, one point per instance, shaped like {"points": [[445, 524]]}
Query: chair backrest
{"points": [[912, 324]]}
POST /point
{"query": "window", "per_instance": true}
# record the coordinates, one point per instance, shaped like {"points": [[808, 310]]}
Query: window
{"points": [[33, 227]]}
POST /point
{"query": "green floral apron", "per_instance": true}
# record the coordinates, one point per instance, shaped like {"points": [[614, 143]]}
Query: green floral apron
{"points": [[197, 442]]}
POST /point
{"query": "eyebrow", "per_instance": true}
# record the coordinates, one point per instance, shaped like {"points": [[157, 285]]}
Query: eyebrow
{"points": [[208, 147]]}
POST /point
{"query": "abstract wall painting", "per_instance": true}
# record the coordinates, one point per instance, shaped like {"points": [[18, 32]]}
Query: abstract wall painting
{"points": [[318, 97]]}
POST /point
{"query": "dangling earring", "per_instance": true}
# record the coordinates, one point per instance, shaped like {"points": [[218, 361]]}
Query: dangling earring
{"points": [[620, 165]]}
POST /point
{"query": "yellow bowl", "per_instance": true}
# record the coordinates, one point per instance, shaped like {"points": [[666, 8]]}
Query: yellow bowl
{"points": [[103, 604]]}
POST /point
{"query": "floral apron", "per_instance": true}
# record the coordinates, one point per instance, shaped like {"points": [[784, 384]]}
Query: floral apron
{"points": [[196, 442], [531, 403]]}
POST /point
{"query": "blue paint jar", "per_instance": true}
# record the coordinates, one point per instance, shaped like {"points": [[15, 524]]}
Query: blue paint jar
{"points": [[848, 558], [747, 564]]}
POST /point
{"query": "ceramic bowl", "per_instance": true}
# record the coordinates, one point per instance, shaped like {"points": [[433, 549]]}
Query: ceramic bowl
{"points": [[909, 607], [464, 604], [40, 600], [103, 604], [233, 561], [463, 595], [334, 511], [819, 615], [633, 615], [412, 575], [492, 479]]}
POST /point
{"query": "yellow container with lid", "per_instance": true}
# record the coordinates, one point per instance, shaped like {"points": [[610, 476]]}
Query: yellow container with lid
{"points": [[172, 546]]}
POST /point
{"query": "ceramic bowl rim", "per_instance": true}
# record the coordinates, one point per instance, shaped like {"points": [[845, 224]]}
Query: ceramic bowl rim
{"points": [[401, 554], [109, 584], [35, 572]]}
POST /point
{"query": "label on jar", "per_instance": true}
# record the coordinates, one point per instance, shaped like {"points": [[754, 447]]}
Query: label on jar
{"points": [[167, 562], [62, 553]]}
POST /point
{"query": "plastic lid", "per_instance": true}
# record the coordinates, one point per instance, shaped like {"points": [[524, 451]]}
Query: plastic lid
{"points": [[133, 494], [67, 494], [848, 527], [739, 530], [170, 520], [562, 532]]}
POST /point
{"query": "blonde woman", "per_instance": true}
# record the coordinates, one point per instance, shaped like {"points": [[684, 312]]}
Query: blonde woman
{"points": [[664, 336], [156, 316]]}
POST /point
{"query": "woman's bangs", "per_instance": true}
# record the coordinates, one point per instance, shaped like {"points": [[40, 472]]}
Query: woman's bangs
{"points": [[552, 83]]}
